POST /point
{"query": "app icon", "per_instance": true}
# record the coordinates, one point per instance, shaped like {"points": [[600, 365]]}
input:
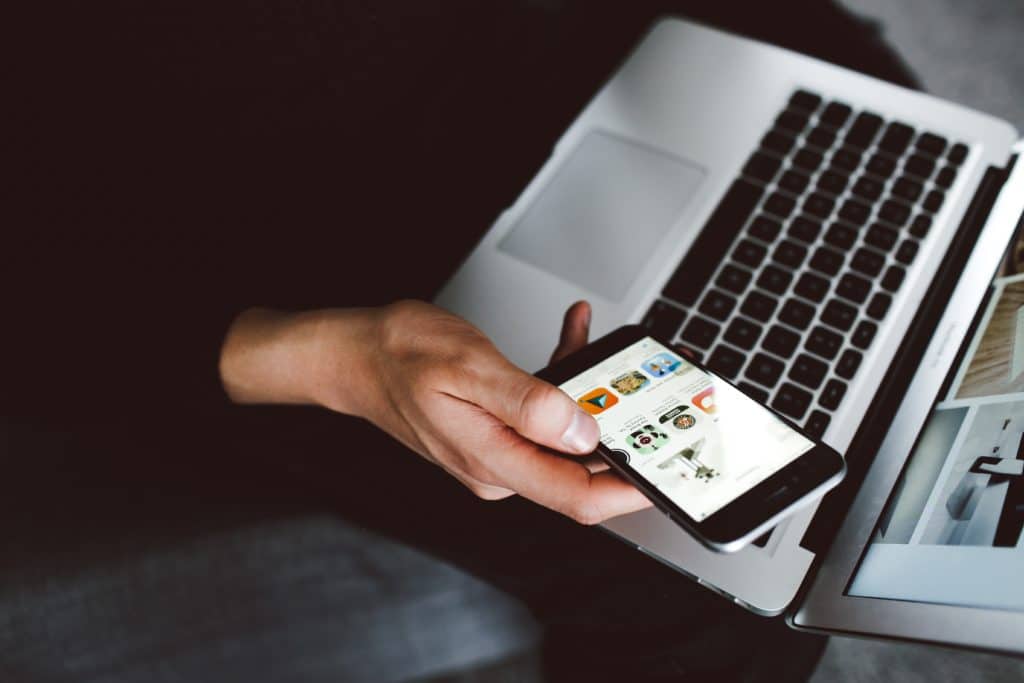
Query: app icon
{"points": [[597, 400], [647, 439], [661, 365], [629, 383], [705, 400], [679, 417]]}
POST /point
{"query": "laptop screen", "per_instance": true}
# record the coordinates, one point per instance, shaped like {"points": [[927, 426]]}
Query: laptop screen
{"points": [[951, 532]]}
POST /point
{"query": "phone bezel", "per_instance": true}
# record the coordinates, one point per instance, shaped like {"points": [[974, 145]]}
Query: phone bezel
{"points": [[745, 517]]}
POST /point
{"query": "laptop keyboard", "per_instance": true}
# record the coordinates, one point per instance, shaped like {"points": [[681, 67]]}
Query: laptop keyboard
{"points": [[786, 286]]}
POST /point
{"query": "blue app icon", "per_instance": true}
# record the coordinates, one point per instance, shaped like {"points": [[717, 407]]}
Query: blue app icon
{"points": [[661, 365]]}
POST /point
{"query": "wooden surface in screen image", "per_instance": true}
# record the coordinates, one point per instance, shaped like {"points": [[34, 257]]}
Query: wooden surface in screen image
{"points": [[991, 371]]}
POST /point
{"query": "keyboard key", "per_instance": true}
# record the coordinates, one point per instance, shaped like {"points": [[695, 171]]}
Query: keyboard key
{"points": [[725, 361], [759, 306], [818, 205], [846, 158], [832, 182], [855, 212], [817, 423], [922, 223], [864, 333], [714, 241], [854, 288], [839, 315], [868, 188], [907, 189], [780, 341], [796, 313], [848, 364], [749, 253], [743, 333], [867, 262], [841, 236], [804, 229], [778, 141], [832, 394], [932, 144], [793, 120], [879, 305], [863, 130], [811, 287], [808, 159], [945, 177], [700, 332], [765, 370], [894, 212], [733, 279], [805, 100], [774, 280], [762, 167], [835, 114], [824, 342], [922, 167], [933, 201], [754, 392], [765, 229], [896, 138], [808, 370], [957, 153], [882, 166], [827, 261], [792, 401], [717, 305], [794, 182], [663, 320], [779, 204], [790, 254], [893, 278], [880, 236], [821, 137], [907, 251]]}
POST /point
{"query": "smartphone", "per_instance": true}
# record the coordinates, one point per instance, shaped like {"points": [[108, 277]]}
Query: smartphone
{"points": [[721, 465]]}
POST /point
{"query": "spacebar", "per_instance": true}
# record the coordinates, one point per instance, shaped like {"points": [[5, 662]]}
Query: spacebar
{"points": [[708, 250]]}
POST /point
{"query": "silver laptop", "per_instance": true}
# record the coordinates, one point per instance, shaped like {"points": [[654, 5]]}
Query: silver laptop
{"points": [[829, 242]]}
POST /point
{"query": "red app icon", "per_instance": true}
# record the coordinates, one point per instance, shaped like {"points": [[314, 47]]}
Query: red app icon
{"points": [[705, 400]]}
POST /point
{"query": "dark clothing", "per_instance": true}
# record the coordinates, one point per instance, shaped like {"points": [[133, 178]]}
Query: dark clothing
{"points": [[177, 164]]}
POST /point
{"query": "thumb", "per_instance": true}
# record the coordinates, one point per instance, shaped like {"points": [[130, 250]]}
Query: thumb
{"points": [[575, 330]]}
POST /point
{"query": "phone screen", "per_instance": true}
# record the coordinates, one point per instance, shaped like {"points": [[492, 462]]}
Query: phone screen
{"points": [[699, 440]]}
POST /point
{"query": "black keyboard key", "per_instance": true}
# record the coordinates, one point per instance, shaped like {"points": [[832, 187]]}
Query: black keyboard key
{"points": [[749, 253], [805, 100], [811, 287], [846, 158], [867, 262], [765, 229], [794, 182], [743, 333], [759, 306], [864, 334], [765, 370], [779, 204], [880, 165], [792, 120], [921, 166], [832, 394], [932, 144], [854, 288], [907, 189], [855, 212], [714, 241], [957, 153], [733, 279], [725, 361], [796, 313], [868, 188], [780, 341], [663, 320], [824, 342], [791, 400], [700, 332], [808, 159], [841, 236], [835, 114], [945, 177], [804, 229], [821, 137], [920, 226], [817, 423], [754, 392], [762, 166], [933, 201], [896, 138], [894, 212], [827, 261], [717, 305], [778, 141], [893, 278], [880, 236], [907, 251], [848, 364], [774, 280], [879, 305], [839, 315], [818, 205], [832, 182], [863, 130], [808, 371], [790, 254]]}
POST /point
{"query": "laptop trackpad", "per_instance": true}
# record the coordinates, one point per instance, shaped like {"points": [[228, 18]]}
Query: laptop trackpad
{"points": [[602, 214]]}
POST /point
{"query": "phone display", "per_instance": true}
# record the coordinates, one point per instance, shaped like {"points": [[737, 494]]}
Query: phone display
{"points": [[694, 437]]}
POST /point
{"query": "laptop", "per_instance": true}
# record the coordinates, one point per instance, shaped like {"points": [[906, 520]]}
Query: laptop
{"points": [[828, 241]]}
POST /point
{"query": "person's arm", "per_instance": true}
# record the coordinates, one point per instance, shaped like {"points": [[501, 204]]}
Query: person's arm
{"points": [[440, 387]]}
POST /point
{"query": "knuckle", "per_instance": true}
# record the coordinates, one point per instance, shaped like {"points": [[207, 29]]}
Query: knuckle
{"points": [[584, 511], [539, 403]]}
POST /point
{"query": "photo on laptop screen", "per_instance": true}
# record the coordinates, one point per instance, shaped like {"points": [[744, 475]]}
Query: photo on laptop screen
{"points": [[951, 533]]}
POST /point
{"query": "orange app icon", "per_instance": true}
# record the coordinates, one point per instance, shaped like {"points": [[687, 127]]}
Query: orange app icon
{"points": [[597, 400], [705, 400]]}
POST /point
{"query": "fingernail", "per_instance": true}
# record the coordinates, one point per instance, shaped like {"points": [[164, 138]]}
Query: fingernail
{"points": [[586, 319], [582, 434]]}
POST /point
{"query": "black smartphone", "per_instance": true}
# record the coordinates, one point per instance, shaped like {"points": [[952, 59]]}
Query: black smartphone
{"points": [[721, 465]]}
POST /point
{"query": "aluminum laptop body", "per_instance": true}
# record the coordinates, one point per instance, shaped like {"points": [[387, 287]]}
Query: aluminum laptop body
{"points": [[626, 195]]}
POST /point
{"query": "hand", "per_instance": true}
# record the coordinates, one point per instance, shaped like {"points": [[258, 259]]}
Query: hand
{"points": [[438, 385]]}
